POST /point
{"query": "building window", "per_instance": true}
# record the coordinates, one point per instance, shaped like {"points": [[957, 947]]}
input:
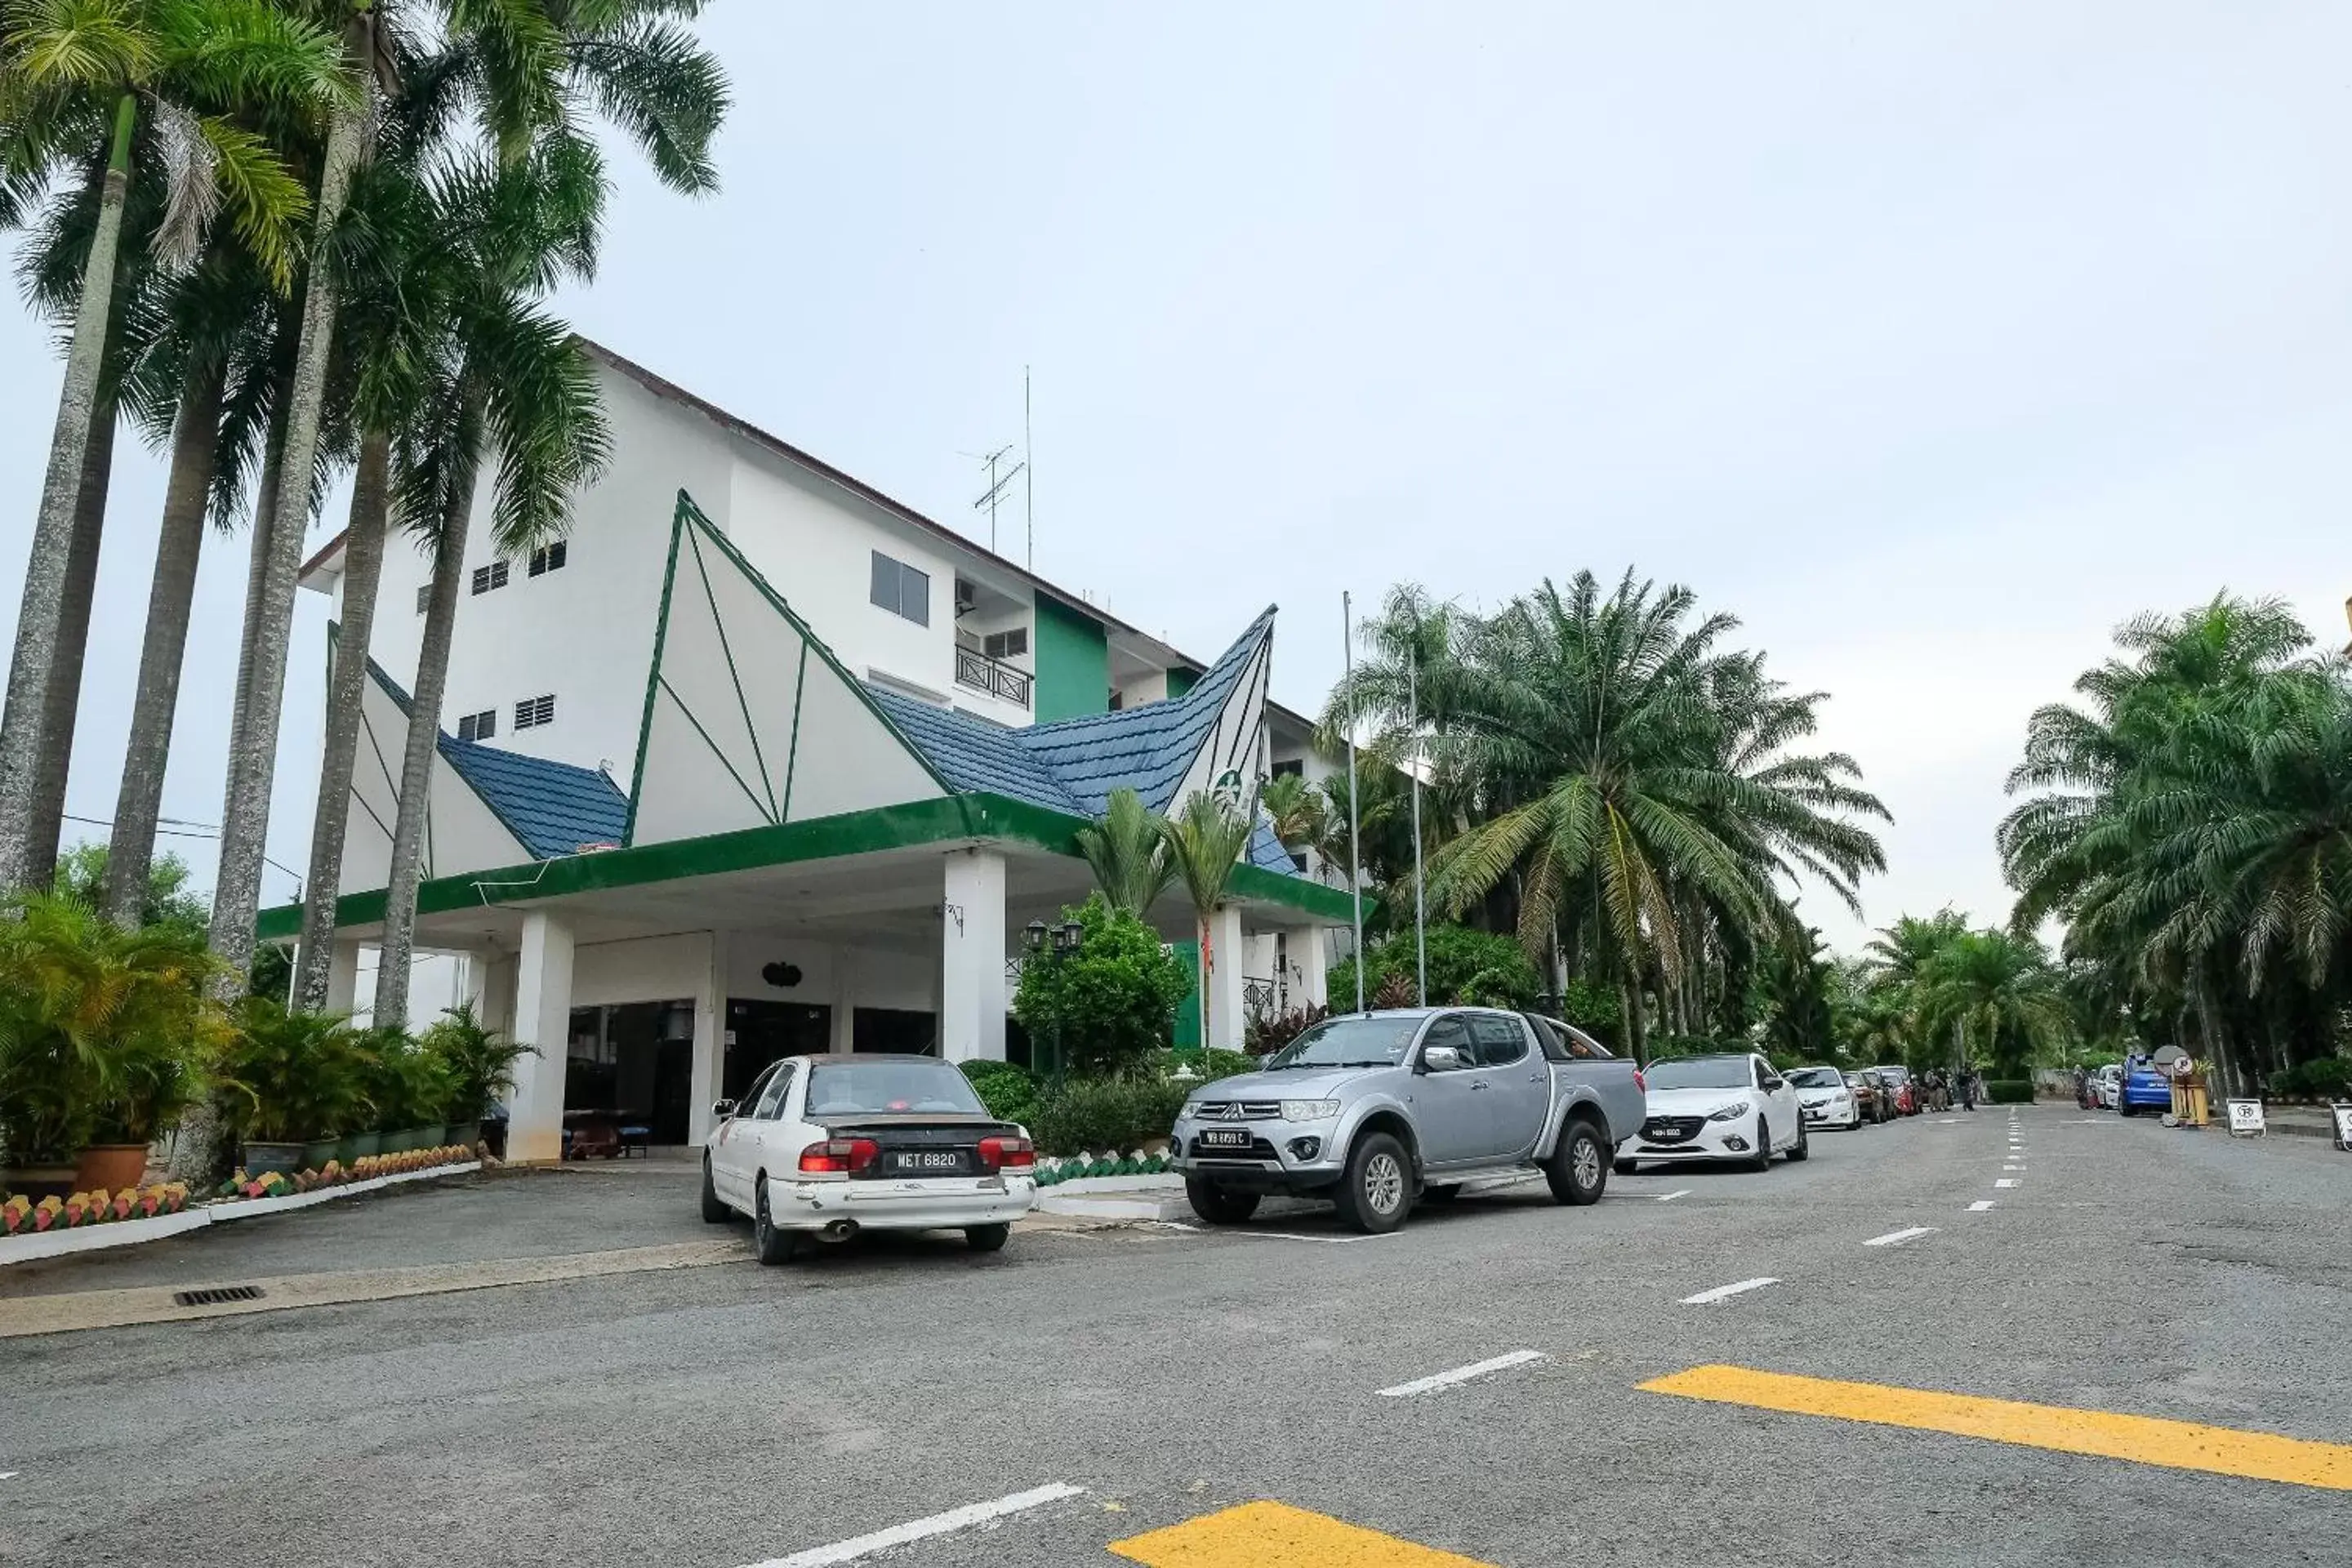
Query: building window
{"points": [[533, 711], [1295, 768], [425, 598], [548, 558], [485, 578], [1013, 644], [901, 590], [479, 726]]}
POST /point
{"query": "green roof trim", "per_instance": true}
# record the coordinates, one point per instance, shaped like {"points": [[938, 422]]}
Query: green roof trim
{"points": [[949, 820]]}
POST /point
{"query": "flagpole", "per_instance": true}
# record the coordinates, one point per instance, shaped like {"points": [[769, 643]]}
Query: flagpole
{"points": [[1420, 912], [1355, 854]]}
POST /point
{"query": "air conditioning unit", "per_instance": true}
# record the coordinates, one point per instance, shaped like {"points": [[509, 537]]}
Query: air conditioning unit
{"points": [[966, 597]]}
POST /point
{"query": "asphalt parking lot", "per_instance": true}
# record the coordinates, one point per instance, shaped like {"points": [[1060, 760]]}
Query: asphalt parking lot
{"points": [[1280, 1393]]}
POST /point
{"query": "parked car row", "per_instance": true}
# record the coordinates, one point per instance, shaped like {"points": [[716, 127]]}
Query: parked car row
{"points": [[1374, 1112]]}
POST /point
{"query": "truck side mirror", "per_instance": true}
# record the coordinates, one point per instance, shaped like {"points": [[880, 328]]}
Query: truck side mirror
{"points": [[1440, 1058], [721, 1110]]}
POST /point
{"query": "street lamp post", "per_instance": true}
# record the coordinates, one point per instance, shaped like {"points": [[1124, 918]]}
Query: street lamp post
{"points": [[1054, 944]]}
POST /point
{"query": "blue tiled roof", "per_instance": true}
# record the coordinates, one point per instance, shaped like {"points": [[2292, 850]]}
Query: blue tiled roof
{"points": [[974, 755], [551, 807], [1073, 766]]}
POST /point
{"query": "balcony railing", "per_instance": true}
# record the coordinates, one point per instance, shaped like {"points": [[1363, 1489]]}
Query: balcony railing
{"points": [[993, 675]]}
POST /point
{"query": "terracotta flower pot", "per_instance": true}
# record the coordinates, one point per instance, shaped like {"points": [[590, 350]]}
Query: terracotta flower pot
{"points": [[111, 1166]]}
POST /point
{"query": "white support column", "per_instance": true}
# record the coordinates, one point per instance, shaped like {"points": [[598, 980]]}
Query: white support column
{"points": [[971, 958], [844, 1001], [343, 977], [1229, 963], [1310, 952], [707, 1070], [543, 1019]]}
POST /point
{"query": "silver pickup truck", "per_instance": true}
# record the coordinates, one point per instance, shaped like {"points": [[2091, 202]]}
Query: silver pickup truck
{"points": [[1375, 1111]]}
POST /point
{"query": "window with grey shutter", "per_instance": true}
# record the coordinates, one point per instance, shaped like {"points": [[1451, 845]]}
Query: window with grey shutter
{"points": [[901, 589], [533, 711]]}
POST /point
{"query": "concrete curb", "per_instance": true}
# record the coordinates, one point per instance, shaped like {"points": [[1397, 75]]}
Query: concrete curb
{"points": [[135, 1232], [1116, 1197]]}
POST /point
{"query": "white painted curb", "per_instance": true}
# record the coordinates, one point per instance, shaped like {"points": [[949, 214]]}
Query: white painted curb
{"points": [[132, 1232], [1113, 1205]]}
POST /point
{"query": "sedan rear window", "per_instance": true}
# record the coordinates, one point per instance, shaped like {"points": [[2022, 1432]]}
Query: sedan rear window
{"points": [[888, 1088], [1817, 1078]]}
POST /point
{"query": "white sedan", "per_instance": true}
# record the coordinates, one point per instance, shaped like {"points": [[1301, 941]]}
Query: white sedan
{"points": [[822, 1147], [1731, 1107], [1825, 1099]]}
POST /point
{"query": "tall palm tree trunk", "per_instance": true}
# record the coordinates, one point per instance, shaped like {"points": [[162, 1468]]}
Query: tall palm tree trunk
{"points": [[40, 619], [257, 571], [253, 764], [140, 802], [397, 950], [346, 692], [64, 704]]}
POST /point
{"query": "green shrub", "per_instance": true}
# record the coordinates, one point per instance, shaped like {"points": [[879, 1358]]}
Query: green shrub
{"points": [[1461, 961], [2325, 1078], [1219, 1064], [1098, 1114], [292, 1076], [1007, 1088], [2008, 1090], [474, 1065], [1110, 1004]]}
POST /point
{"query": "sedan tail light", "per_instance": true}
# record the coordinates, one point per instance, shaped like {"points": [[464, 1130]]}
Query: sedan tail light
{"points": [[839, 1156], [1007, 1154], [1641, 1082]]}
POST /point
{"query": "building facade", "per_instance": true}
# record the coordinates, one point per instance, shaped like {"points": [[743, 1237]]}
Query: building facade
{"points": [[757, 760]]}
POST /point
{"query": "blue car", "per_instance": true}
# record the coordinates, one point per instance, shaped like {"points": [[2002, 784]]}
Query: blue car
{"points": [[2146, 1087]]}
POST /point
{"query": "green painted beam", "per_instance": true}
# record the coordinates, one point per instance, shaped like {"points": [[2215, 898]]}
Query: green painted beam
{"points": [[952, 819]]}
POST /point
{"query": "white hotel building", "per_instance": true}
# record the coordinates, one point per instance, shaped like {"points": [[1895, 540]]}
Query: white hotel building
{"points": [[758, 761]]}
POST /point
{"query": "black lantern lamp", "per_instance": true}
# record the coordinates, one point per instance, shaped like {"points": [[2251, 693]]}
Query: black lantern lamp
{"points": [[1067, 936], [1033, 936]]}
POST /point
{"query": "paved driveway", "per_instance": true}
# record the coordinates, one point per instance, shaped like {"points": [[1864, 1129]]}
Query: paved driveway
{"points": [[1474, 1386]]}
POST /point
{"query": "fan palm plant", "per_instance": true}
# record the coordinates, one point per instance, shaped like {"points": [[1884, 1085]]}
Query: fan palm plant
{"points": [[1129, 855], [82, 82], [1206, 841]]}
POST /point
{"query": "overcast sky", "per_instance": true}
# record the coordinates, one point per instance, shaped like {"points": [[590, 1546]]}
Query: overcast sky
{"points": [[1930, 340]]}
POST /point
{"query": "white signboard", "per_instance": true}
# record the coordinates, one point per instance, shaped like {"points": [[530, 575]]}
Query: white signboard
{"points": [[2246, 1118], [2343, 1114]]}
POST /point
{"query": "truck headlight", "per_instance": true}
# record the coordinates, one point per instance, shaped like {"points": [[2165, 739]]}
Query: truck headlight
{"points": [[1309, 1109], [1730, 1112]]}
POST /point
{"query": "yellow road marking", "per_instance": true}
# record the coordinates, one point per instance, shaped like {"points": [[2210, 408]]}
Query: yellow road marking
{"points": [[2144, 1439], [1272, 1535]]}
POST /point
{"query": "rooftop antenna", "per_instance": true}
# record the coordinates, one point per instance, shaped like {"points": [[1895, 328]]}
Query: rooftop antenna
{"points": [[1029, 481], [1000, 479]]}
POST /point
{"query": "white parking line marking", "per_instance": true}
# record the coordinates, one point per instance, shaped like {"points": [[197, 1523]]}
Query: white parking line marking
{"points": [[1267, 1235], [1897, 1237], [10, 1475], [2013, 1167], [1463, 1374], [1650, 1197], [1720, 1291], [2005, 1182], [1677, 1193], [1948, 1122], [924, 1528], [1981, 1206]]}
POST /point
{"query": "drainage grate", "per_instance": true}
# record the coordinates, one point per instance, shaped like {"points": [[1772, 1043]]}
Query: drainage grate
{"points": [[214, 1298]]}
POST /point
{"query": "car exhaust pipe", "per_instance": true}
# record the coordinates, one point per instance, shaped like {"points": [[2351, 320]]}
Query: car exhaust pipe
{"points": [[839, 1230]]}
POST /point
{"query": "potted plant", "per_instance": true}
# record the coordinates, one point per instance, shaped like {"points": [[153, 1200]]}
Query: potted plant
{"points": [[477, 1065], [408, 1092], [292, 1077], [101, 1030], [154, 1079]]}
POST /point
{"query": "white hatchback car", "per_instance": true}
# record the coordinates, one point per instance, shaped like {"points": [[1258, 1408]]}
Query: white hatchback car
{"points": [[1730, 1107], [822, 1147]]}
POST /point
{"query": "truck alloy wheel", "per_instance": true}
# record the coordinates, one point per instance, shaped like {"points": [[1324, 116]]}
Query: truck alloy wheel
{"points": [[1577, 1169], [1377, 1191]]}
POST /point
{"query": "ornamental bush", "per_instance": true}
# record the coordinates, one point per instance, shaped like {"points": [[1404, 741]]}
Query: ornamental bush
{"points": [[1106, 1007], [1007, 1088], [2008, 1090], [1098, 1114], [1465, 966], [2326, 1077]]}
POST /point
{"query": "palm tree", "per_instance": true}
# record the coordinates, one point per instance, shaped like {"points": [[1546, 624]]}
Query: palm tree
{"points": [[1621, 791], [366, 57], [1129, 854], [77, 80], [1993, 991], [1206, 842], [511, 380]]}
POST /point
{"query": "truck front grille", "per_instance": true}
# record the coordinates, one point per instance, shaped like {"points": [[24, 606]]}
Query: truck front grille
{"points": [[1238, 1110]]}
